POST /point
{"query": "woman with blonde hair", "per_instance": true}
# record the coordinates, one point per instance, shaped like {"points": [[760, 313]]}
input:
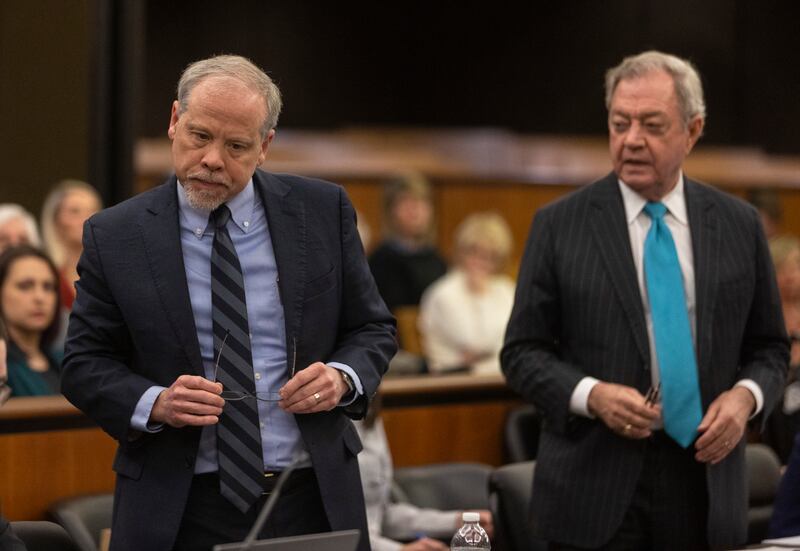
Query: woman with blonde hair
{"points": [[463, 316], [65, 210]]}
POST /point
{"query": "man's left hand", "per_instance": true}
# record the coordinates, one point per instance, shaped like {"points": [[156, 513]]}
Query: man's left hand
{"points": [[724, 425], [318, 387]]}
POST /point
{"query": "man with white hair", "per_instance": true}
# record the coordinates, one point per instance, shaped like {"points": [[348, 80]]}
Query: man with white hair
{"points": [[226, 328], [647, 330]]}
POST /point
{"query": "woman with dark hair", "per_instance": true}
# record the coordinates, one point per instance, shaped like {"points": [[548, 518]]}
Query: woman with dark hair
{"points": [[406, 262], [29, 303]]}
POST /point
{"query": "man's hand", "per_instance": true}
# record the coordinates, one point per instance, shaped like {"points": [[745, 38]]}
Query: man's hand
{"points": [[425, 544], [724, 424], [191, 400], [623, 409], [318, 387]]}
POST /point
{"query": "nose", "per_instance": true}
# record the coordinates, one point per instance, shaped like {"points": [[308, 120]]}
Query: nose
{"points": [[212, 158], [40, 293], [634, 137]]}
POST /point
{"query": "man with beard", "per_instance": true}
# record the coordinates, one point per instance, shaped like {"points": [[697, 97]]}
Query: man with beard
{"points": [[225, 323]]}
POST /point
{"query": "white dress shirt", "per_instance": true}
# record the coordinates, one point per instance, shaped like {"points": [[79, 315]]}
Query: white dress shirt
{"points": [[639, 222]]}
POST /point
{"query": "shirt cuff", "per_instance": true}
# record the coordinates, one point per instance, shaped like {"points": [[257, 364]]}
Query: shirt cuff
{"points": [[349, 398], [755, 390], [579, 401], [141, 414]]}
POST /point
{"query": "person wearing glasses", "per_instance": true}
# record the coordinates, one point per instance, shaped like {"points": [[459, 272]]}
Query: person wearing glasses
{"points": [[226, 327], [643, 280]]}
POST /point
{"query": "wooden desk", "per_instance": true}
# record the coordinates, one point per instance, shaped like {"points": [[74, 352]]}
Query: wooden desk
{"points": [[50, 450], [435, 419]]}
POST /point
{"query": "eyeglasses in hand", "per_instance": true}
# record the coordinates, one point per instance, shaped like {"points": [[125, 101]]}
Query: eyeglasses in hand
{"points": [[233, 395]]}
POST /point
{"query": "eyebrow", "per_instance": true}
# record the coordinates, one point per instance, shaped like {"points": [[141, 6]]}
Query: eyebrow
{"points": [[643, 116]]}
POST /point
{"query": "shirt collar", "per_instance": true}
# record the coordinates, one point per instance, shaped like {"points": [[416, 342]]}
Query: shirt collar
{"points": [[675, 201], [241, 206]]}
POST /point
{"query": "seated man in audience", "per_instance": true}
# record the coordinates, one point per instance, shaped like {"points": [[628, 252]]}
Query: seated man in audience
{"points": [[390, 523]]}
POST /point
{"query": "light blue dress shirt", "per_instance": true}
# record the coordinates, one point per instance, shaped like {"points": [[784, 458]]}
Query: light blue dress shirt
{"points": [[249, 231]]}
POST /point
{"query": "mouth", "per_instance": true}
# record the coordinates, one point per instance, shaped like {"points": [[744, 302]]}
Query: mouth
{"points": [[203, 180]]}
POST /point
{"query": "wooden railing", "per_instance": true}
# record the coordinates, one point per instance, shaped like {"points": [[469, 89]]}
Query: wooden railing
{"points": [[49, 450]]}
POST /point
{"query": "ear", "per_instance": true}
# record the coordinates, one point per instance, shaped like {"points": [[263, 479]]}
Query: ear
{"points": [[173, 120], [265, 146], [695, 128]]}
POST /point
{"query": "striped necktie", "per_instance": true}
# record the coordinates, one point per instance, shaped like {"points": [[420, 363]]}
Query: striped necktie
{"points": [[241, 464], [680, 388]]}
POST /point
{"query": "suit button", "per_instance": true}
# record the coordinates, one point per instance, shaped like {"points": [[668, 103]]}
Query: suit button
{"points": [[189, 461]]}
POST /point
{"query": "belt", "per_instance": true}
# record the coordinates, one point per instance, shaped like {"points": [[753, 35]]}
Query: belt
{"points": [[298, 477]]}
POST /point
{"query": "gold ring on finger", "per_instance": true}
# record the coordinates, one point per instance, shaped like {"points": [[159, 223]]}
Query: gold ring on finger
{"points": [[627, 428], [316, 396]]}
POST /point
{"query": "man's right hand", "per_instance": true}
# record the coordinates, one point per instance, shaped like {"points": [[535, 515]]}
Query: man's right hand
{"points": [[425, 544], [623, 409], [190, 400]]}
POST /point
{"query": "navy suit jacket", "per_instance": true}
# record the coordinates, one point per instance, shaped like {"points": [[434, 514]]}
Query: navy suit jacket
{"points": [[132, 327], [578, 312]]}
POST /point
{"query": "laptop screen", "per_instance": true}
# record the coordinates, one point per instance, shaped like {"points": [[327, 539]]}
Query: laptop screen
{"points": [[345, 540]]}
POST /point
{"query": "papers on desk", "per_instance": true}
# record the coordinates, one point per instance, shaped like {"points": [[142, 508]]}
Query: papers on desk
{"points": [[781, 544], [776, 544]]}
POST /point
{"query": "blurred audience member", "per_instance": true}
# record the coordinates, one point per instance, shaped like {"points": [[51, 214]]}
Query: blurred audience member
{"points": [[29, 299], [784, 422], [17, 227], [768, 204], [406, 262], [65, 210], [391, 523], [5, 390], [785, 520], [364, 231], [463, 316]]}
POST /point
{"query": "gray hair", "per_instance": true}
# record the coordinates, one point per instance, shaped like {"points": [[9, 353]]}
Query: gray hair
{"points": [[241, 69], [12, 211], [688, 87]]}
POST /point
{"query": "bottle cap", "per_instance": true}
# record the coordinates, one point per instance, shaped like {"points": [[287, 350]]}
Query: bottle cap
{"points": [[470, 517]]}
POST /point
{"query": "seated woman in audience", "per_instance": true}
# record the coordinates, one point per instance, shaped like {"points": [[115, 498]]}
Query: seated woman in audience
{"points": [[5, 390], [391, 524], [29, 309], [65, 210], [784, 422], [406, 262], [463, 316], [17, 227]]}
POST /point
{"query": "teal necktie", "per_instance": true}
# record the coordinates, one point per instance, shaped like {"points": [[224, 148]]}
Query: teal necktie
{"points": [[680, 389]]}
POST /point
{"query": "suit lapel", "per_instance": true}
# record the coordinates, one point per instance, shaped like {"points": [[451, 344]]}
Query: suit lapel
{"points": [[286, 218], [705, 251], [613, 240], [162, 242]]}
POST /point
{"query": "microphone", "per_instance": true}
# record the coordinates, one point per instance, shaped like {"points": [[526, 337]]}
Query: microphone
{"points": [[300, 457]]}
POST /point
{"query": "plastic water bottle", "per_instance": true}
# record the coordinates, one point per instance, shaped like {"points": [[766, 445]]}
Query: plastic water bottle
{"points": [[470, 536]]}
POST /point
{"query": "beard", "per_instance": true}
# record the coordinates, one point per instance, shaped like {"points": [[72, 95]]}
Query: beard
{"points": [[205, 199]]}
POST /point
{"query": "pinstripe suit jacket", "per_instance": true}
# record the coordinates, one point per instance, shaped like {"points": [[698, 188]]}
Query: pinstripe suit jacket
{"points": [[578, 312]]}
